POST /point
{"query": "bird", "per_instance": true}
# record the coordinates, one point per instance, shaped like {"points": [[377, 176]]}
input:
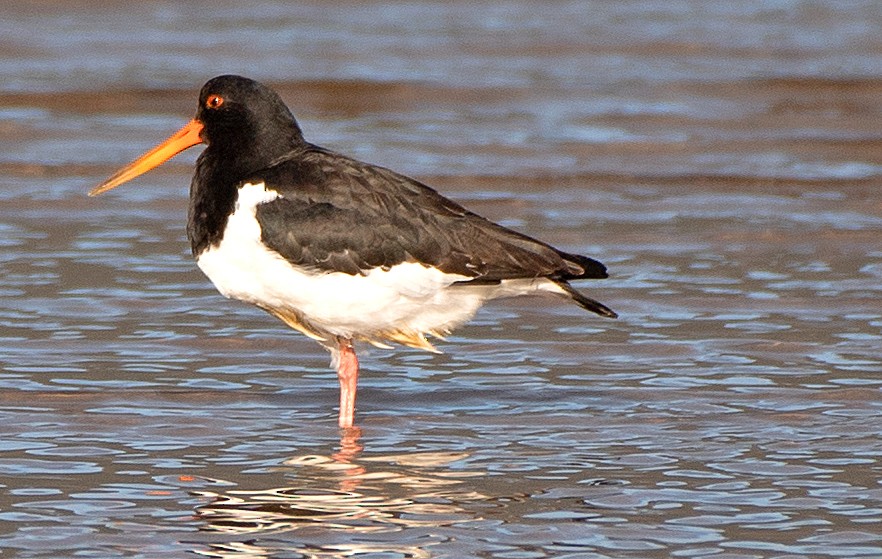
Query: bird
{"points": [[341, 250]]}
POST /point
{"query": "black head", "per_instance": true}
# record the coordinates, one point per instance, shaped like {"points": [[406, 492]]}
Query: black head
{"points": [[246, 121], [245, 124]]}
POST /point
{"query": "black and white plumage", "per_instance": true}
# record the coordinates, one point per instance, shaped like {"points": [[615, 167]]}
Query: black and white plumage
{"points": [[339, 249]]}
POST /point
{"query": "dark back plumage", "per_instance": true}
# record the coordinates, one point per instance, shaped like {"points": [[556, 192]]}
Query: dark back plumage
{"points": [[389, 219]]}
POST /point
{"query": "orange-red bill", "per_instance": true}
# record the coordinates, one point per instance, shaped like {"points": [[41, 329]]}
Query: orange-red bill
{"points": [[186, 137]]}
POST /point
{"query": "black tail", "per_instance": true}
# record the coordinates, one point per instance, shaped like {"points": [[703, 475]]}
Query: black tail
{"points": [[585, 302], [582, 267]]}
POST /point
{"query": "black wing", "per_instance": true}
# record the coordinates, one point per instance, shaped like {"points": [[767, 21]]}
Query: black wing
{"points": [[336, 213]]}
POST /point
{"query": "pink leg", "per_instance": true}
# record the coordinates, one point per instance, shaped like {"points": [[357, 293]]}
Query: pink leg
{"points": [[347, 373]]}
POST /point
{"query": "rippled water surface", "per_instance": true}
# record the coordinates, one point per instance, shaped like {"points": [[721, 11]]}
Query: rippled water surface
{"points": [[724, 159]]}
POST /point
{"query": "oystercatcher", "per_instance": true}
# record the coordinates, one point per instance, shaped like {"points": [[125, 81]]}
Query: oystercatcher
{"points": [[341, 250]]}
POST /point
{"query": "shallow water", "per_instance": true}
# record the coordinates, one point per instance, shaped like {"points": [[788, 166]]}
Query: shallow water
{"points": [[721, 158]]}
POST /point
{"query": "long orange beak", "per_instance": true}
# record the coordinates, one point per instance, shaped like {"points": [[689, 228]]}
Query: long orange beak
{"points": [[186, 137]]}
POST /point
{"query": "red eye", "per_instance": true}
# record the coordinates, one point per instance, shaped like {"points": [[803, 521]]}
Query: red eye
{"points": [[214, 101]]}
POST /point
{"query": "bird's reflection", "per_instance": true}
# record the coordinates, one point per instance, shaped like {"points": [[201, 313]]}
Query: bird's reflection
{"points": [[332, 498]]}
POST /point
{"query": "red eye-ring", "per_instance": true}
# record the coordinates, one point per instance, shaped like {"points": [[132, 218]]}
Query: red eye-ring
{"points": [[214, 101]]}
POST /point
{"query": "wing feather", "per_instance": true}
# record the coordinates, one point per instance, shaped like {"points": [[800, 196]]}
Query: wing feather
{"points": [[335, 213]]}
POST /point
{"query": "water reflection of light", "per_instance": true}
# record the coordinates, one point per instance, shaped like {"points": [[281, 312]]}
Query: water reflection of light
{"points": [[247, 550], [344, 497]]}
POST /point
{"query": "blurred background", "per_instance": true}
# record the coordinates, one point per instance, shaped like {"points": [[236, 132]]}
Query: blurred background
{"points": [[722, 158]]}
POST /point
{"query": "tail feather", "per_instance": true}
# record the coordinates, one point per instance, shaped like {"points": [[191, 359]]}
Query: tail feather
{"points": [[585, 302], [582, 267]]}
